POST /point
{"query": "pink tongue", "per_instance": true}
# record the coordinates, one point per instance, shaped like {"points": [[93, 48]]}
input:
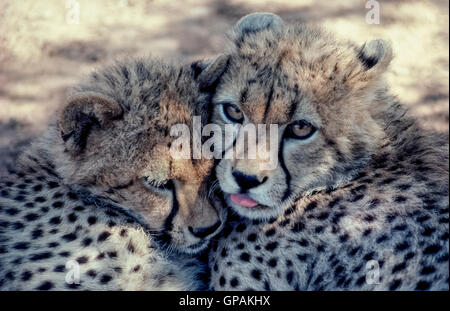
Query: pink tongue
{"points": [[243, 200]]}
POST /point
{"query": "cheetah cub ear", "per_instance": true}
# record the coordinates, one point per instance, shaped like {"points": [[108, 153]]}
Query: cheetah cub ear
{"points": [[84, 113], [256, 22], [375, 55]]}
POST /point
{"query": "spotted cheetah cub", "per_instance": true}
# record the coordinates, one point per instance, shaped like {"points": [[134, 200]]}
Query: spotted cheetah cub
{"points": [[98, 203], [370, 186]]}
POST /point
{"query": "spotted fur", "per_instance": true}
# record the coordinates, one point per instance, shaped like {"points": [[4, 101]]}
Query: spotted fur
{"points": [[370, 189], [89, 192]]}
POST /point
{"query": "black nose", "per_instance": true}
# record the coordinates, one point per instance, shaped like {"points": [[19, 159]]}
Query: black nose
{"points": [[247, 181], [205, 231]]}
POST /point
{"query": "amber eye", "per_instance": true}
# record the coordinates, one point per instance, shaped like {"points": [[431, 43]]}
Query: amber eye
{"points": [[233, 113], [300, 130]]}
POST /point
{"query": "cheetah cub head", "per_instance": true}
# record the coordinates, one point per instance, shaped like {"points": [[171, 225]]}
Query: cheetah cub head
{"points": [[321, 95], [113, 138]]}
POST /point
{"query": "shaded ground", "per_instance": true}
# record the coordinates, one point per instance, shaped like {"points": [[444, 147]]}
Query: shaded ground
{"points": [[41, 54]]}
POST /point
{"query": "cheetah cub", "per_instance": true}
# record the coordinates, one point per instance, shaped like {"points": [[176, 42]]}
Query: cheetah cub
{"points": [[98, 203], [359, 198]]}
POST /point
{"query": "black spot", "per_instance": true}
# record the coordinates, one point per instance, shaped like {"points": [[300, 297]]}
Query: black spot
{"points": [[361, 280], [86, 241], [400, 227], [422, 285], [18, 226], [70, 237], [82, 260], [271, 246], [26, 275], [298, 227], [59, 268], [91, 273], [92, 220], [256, 274], [72, 196], [252, 237], [52, 184], [369, 256], [357, 198], [12, 211], [395, 284], [367, 232], [72, 217], [289, 277], [400, 199], [302, 257], [224, 252], [58, 204], [432, 249], [234, 282], [428, 231], [112, 254], [319, 229], [53, 244], [402, 246], [270, 232], [36, 234], [78, 208], [47, 285], [105, 279], [323, 216], [31, 217], [311, 206], [40, 199], [130, 247], [344, 238], [41, 256], [103, 236], [399, 267], [245, 257], [222, 281], [21, 245], [64, 254], [55, 220], [427, 270], [272, 262]]}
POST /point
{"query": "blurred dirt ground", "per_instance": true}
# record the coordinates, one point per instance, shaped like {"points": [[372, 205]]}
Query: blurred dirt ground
{"points": [[41, 54]]}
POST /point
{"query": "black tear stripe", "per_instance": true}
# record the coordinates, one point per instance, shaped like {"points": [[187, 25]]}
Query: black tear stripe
{"points": [[232, 146], [288, 177], [164, 237]]}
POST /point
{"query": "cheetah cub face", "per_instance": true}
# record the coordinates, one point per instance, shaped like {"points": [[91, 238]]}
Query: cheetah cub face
{"points": [[321, 95], [114, 141]]}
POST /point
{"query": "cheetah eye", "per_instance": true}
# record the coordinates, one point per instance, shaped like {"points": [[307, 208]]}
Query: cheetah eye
{"points": [[233, 113], [300, 129], [161, 185]]}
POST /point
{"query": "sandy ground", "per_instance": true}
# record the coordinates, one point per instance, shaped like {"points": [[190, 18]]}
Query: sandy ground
{"points": [[41, 54]]}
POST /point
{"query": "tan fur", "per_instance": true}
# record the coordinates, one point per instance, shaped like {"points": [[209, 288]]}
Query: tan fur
{"points": [[368, 171], [85, 191]]}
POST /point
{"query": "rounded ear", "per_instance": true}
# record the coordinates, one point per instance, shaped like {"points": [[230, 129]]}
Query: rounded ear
{"points": [[82, 114], [208, 72], [256, 22], [375, 55]]}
